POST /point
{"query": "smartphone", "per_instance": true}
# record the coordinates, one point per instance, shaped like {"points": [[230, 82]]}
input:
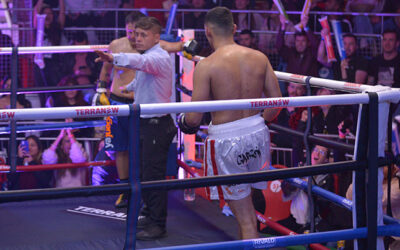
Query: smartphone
{"points": [[25, 146]]}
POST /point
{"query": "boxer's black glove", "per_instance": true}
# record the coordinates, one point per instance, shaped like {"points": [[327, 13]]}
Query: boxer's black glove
{"points": [[184, 127], [191, 48]]}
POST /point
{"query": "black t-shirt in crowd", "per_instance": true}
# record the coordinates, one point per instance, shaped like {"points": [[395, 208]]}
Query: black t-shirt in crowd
{"points": [[385, 72], [357, 62]]}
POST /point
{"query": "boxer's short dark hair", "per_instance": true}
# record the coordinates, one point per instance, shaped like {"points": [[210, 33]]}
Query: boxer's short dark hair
{"points": [[149, 23], [247, 32], [221, 19], [134, 16]]}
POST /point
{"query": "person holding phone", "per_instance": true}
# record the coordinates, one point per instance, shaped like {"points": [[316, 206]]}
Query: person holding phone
{"points": [[30, 153]]}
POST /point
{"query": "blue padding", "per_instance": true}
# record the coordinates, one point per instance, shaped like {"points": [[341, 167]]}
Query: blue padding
{"points": [[292, 240], [297, 182], [170, 38]]}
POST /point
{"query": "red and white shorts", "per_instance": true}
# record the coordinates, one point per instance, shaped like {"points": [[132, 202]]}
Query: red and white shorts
{"points": [[236, 147]]}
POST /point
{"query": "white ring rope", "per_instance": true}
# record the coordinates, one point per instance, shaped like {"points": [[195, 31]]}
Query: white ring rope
{"points": [[55, 49], [317, 82], [204, 106], [314, 81]]}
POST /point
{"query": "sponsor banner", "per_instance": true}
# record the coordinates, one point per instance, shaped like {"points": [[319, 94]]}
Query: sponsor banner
{"points": [[297, 78], [96, 111], [99, 212], [108, 135], [264, 243], [7, 115], [98, 47], [270, 104], [353, 86]]}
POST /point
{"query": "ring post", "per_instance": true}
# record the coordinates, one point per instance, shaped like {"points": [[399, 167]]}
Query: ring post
{"points": [[13, 104], [308, 158], [134, 180], [171, 18], [372, 190], [359, 192]]}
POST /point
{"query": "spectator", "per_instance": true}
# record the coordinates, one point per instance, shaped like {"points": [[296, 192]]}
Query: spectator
{"points": [[362, 23], [363, 6], [327, 117], [247, 39], [384, 69], [69, 98], [353, 68], [107, 19], [53, 36], [390, 6], [78, 16], [5, 102], [5, 60], [82, 65], [394, 196], [34, 179], [334, 6], [284, 140], [195, 20], [299, 207], [65, 149], [271, 22], [154, 4], [325, 120], [242, 20], [302, 59], [392, 23]]}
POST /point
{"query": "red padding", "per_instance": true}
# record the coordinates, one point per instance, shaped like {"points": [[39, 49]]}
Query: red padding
{"points": [[6, 168], [187, 168]]}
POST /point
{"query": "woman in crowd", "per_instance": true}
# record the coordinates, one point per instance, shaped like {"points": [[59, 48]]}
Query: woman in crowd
{"points": [[65, 149], [22, 102], [30, 155], [69, 98], [50, 74]]}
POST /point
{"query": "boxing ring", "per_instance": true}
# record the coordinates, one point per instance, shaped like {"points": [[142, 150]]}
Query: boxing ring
{"points": [[368, 153]]}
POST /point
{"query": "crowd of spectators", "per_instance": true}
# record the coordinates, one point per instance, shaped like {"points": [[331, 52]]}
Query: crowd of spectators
{"points": [[367, 61]]}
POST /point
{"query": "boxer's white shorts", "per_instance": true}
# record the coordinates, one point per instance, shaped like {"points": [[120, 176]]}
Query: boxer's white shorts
{"points": [[237, 147]]}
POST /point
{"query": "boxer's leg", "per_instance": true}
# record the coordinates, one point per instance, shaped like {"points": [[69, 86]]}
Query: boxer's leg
{"points": [[243, 210]]}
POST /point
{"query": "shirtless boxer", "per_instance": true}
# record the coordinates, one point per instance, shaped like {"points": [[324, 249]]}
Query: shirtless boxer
{"points": [[239, 138], [117, 141]]}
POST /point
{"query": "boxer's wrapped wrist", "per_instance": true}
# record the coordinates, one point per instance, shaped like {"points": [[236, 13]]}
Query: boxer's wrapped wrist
{"points": [[184, 127]]}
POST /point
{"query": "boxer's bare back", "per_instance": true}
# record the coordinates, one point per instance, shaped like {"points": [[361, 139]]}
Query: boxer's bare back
{"points": [[234, 72]]}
